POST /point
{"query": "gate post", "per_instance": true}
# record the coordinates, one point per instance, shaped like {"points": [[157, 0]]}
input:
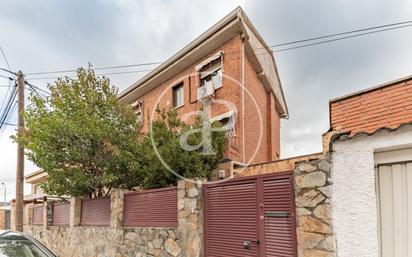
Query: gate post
{"points": [[190, 216], [313, 192], [75, 211], [47, 214], [116, 207]]}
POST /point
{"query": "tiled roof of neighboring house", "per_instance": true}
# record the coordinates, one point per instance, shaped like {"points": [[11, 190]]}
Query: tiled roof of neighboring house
{"points": [[386, 106], [233, 24]]}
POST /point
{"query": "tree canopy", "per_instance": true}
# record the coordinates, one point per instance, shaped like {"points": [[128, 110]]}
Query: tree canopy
{"points": [[165, 136], [89, 143], [82, 137]]}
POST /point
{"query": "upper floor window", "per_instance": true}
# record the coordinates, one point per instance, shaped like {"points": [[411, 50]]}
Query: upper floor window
{"points": [[211, 74], [178, 95], [138, 109]]}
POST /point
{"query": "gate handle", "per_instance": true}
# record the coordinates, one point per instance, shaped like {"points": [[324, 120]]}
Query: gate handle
{"points": [[246, 244]]}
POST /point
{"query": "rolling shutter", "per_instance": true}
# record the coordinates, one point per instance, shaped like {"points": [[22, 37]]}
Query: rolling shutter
{"points": [[61, 214], [37, 215], [95, 212], [151, 208]]}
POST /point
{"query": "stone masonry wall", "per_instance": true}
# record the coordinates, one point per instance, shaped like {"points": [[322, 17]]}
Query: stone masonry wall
{"points": [[313, 188], [117, 241]]}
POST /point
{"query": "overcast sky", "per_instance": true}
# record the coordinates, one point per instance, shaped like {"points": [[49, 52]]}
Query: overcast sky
{"points": [[54, 35]]}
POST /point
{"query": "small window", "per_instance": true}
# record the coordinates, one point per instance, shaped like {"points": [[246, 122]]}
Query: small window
{"points": [[227, 120], [138, 110], [178, 96], [212, 74], [139, 117]]}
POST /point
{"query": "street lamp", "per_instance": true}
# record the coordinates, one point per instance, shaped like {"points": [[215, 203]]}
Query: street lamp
{"points": [[4, 203]]}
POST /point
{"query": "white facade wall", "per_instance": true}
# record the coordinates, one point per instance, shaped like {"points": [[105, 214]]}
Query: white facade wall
{"points": [[355, 212]]}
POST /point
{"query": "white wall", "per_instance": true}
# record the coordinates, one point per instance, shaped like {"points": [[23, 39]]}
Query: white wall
{"points": [[355, 213]]}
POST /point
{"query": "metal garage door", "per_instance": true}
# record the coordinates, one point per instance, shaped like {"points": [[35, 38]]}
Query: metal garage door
{"points": [[395, 202], [252, 216]]}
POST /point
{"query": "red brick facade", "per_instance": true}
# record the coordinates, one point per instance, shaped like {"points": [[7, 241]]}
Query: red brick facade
{"points": [[388, 105], [231, 90], [238, 72]]}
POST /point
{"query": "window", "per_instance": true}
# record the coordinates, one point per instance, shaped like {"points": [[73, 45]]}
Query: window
{"points": [[138, 110], [214, 79], [178, 96], [227, 120], [211, 74]]}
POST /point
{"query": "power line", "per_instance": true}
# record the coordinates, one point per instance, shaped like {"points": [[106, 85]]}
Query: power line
{"points": [[98, 74], [6, 111], [2, 76], [36, 87], [10, 124], [272, 46], [391, 25], [97, 68], [340, 34], [338, 39], [5, 58]]}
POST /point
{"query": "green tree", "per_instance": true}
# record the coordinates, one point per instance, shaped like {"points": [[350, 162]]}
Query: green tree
{"points": [[83, 137], [165, 136]]}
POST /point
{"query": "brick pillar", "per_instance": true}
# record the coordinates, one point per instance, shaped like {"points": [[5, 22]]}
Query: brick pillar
{"points": [[190, 215], [75, 211], [116, 214], [47, 214]]}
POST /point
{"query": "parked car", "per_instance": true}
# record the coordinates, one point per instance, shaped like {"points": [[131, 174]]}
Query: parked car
{"points": [[16, 244]]}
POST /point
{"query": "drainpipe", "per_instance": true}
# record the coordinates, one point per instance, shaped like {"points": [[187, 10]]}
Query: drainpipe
{"points": [[243, 37]]}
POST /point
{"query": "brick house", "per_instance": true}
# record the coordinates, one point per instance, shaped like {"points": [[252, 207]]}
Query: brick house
{"points": [[231, 63]]}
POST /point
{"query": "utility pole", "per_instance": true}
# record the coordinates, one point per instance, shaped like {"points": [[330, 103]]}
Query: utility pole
{"points": [[18, 219]]}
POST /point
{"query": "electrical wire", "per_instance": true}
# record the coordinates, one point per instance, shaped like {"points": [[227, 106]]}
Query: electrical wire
{"points": [[6, 111], [98, 74], [97, 68], [338, 39], [36, 87], [5, 58], [340, 34], [271, 46]]}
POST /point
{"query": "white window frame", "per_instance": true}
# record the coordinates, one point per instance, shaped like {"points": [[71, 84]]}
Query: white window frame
{"points": [[209, 71]]}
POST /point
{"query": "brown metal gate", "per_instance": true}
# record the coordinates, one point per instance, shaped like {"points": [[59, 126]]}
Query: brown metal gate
{"points": [[251, 216]]}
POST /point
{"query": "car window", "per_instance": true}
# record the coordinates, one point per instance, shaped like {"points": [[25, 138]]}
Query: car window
{"points": [[18, 246]]}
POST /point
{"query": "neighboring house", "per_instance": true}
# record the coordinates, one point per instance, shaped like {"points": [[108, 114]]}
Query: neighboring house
{"points": [[35, 179], [229, 62], [372, 171]]}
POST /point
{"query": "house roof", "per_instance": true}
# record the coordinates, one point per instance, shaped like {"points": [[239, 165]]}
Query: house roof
{"points": [[35, 177], [380, 86], [233, 24]]}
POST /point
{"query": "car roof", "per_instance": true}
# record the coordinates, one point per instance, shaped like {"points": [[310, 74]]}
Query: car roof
{"points": [[12, 235]]}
